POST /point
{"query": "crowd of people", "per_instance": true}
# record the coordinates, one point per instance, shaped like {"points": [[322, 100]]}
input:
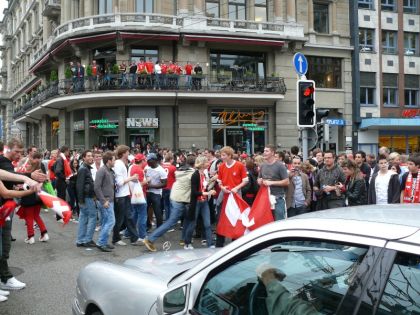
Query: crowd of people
{"points": [[141, 74], [135, 196]]}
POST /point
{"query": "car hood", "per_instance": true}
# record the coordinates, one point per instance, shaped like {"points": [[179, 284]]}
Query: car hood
{"points": [[166, 265]]}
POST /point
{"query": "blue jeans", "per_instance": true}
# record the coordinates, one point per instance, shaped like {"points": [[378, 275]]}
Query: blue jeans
{"points": [[189, 81], [279, 209], [166, 193], [140, 218], [107, 224], [202, 209], [178, 210], [87, 221]]}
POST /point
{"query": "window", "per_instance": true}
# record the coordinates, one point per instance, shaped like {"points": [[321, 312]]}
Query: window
{"points": [[144, 6], [366, 39], [390, 89], [145, 54], [402, 289], [325, 71], [321, 18], [411, 92], [366, 4], [260, 10], [410, 43], [410, 6], [388, 5], [389, 42], [105, 6], [237, 10], [303, 277], [367, 88], [213, 9]]}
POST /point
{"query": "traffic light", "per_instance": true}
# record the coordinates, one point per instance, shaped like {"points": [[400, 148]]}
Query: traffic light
{"points": [[306, 115], [320, 131], [321, 113]]}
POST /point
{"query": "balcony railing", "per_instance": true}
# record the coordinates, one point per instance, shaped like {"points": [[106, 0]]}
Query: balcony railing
{"points": [[167, 83]]}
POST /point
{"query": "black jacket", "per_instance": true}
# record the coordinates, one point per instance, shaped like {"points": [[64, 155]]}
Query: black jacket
{"points": [[59, 169], [6, 164], [356, 192], [195, 193], [84, 183], [393, 189]]}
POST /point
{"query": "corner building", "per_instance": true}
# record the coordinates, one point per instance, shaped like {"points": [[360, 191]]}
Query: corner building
{"points": [[245, 96]]}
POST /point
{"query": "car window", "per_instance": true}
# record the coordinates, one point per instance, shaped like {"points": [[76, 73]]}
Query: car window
{"points": [[289, 277], [402, 291]]}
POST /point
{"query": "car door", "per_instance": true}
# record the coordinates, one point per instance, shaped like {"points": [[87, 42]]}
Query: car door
{"points": [[395, 286], [288, 272]]}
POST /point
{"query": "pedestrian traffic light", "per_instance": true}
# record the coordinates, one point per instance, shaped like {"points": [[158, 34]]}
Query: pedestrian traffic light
{"points": [[320, 131], [306, 114]]}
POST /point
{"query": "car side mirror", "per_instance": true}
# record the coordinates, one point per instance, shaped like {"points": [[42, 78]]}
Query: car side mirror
{"points": [[174, 301]]}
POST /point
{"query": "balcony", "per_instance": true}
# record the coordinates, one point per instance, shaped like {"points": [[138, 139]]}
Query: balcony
{"points": [[52, 8], [167, 86]]}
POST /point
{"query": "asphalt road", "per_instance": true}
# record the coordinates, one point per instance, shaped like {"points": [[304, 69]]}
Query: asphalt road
{"points": [[50, 269]]}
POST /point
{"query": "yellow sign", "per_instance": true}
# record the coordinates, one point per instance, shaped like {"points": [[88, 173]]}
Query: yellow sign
{"points": [[233, 118]]}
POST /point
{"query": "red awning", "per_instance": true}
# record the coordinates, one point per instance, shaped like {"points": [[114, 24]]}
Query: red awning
{"points": [[94, 38], [234, 40], [149, 36], [40, 63]]}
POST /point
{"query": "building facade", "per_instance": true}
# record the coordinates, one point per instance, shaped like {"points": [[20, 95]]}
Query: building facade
{"points": [[389, 64], [67, 80]]}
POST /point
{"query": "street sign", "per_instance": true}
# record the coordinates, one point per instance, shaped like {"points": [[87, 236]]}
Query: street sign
{"points": [[335, 122], [300, 63]]}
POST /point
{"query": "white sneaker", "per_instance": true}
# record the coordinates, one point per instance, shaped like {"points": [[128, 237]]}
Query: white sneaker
{"points": [[30, 240], [212, 246], [12, 284], [44, 238], [3, 298], [97, 229], [4, 293], [121, 243], [188, 247]]}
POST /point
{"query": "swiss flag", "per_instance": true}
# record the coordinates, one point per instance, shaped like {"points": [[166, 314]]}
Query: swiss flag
{"points": [[234, 217], [261, 213], [58, 205], [6, 209]]}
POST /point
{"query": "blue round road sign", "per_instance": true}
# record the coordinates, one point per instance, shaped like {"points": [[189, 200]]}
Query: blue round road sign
{"points": [[300, 63]]}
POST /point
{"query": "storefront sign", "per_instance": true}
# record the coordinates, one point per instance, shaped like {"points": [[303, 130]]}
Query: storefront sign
{"points": [[142, 122], [102, 124], [234, 132], [79, 125], [253, 127], [410, 113], [335, 122], [234, 117]]}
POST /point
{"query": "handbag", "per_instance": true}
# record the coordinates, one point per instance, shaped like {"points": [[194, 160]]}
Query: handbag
{"points": [[137, 195]]}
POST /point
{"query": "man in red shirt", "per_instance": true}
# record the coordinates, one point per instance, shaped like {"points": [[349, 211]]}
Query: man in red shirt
{"points": [[188, 71], [164, 69], [232, 176], [141, 71], [51, 162], [150, 67], [170, 169]]}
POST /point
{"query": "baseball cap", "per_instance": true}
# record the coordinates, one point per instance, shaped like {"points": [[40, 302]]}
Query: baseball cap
{"points": [[151, 156], [244, 156], [139, 157]]}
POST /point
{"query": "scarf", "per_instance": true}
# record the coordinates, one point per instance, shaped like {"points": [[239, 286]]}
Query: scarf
{"points": [[67, 170], [411, 196]]}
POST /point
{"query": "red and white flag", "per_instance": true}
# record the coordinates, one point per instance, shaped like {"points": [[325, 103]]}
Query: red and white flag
{"points": [[6, 209], [261, 213], [58, 205]]}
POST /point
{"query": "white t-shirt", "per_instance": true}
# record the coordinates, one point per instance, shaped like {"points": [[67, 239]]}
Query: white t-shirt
{"points": [[381, 188], [121, 174], [155, 175]]}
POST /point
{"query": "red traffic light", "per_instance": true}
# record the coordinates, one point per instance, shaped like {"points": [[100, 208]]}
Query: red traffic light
{"points": [[308, 91]]}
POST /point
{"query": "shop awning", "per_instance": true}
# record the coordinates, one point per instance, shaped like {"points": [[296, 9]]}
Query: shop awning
{"points": [[390, 123], [234, 40]]}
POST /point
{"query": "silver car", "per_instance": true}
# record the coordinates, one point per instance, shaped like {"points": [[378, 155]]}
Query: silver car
{"points": [[355, 260]]}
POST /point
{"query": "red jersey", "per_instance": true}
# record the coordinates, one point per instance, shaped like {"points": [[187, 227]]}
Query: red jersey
{"points": [[150, 67], [141, 67], [232, 176], [172, 67], [94, 70], [164, 68], [178, 69], [188, 69], [137, 169], [51, 173], [170, 171]]}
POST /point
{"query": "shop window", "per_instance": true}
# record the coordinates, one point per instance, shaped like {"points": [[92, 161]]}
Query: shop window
{"points": [[105, 6], [388, 5], [260, 10], [321, 18], [366, 4], [145, 54], [213, 8], [389, 42], [366, 39], [144, 6], [411, 43], [236, 67], [325, 71], [410, 6], [237, 10]]}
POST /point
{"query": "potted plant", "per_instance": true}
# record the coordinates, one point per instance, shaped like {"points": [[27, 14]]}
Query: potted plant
{"points": [[89, 71], [115, 69], [68, 74], [54, 77]]}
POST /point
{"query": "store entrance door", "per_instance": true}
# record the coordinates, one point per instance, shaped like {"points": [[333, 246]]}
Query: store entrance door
{"points": [[110, 140], [139, 139]]}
